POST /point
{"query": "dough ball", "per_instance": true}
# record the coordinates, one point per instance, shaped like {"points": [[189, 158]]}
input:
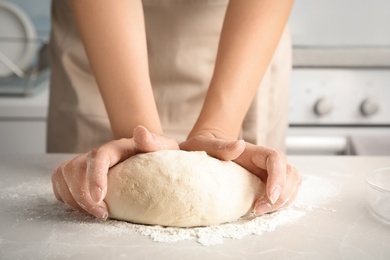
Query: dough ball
{"points": [[181, 189]]}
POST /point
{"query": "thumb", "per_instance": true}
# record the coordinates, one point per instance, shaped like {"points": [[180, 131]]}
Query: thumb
{"points": [[145, 141], [218, 148]]}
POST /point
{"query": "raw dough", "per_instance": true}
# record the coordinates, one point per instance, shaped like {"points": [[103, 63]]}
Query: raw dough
{"points": [[179, 188]]}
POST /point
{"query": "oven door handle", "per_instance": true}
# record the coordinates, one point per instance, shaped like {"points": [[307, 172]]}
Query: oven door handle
{"points": [[307, 145]]}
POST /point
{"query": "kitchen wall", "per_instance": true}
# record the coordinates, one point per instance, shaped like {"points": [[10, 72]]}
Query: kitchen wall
{"points": [[313, 22], [331, 23]]}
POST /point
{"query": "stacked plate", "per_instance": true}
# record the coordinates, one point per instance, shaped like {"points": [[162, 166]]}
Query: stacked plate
{"points": [[17, 40]]}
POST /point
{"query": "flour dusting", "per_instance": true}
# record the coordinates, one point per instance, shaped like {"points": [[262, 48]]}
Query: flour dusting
{"points": [[34, 200]]}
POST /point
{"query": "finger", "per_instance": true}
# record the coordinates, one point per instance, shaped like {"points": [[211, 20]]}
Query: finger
{"points": [[62, 192], [55, 183], [290, 189], [145, 141], [218, 148], [268, 164], [277, 169], [75, 190], [296, 186], [246, 160], [98, 162], [288, 195]]}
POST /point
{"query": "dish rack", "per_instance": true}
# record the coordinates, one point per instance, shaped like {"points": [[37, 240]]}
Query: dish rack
{"points": [[23, 82]]}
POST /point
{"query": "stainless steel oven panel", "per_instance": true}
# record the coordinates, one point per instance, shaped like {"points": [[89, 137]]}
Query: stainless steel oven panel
{"points": [[340, 97]]}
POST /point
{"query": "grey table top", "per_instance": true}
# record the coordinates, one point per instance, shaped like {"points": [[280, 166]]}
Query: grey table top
{"points": [[34, 226]]}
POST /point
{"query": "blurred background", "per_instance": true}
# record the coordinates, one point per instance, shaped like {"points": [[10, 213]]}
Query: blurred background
{"points": [[340, 87]]}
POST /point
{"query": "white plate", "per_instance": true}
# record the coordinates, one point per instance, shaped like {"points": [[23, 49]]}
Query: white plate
{"points": [[17, 38]]}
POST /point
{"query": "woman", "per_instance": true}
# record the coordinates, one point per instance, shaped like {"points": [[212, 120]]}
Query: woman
{"points": [[185, 69]]}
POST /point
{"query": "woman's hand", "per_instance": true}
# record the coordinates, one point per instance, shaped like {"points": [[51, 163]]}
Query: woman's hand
{"points": [[282, 180], [82, 182]]}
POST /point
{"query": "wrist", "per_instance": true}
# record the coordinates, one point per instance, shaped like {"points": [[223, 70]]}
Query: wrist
{"points": [[219, 116]]}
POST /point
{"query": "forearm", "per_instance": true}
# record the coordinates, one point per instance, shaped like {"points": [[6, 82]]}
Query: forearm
{"points": [[249, 37], [113, 34]]}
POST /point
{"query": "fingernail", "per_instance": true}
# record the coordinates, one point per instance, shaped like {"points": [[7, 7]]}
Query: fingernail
{"points": [[97, 194], [99, 211], [102, 213], [105, 215], [275, 194], [262, 208]]}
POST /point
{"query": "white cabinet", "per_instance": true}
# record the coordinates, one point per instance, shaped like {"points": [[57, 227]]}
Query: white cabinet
{"points": [[23, 123]]}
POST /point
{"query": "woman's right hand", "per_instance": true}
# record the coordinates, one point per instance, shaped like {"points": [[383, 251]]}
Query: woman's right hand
{"points": [[82, 181]]}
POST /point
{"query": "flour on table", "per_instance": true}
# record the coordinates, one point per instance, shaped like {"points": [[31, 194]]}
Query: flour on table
{"points": [[33, 200]]}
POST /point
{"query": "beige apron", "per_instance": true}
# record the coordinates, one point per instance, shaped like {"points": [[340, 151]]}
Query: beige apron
{"points": [[182, 38]]}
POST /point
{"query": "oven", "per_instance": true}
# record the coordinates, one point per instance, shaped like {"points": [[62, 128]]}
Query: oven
{"points": [[340, 87], [339, 111]]}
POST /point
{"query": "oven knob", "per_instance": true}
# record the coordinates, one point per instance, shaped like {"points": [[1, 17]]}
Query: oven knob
{"points": [[369, 107], [323, 106]]}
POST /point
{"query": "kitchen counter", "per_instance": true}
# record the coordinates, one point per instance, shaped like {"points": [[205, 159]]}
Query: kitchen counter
{"points": [[34, 226], [32, 106], [23, 122]]}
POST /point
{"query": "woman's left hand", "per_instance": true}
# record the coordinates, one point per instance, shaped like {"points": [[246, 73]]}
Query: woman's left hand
{"points": [[282, 180]]}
